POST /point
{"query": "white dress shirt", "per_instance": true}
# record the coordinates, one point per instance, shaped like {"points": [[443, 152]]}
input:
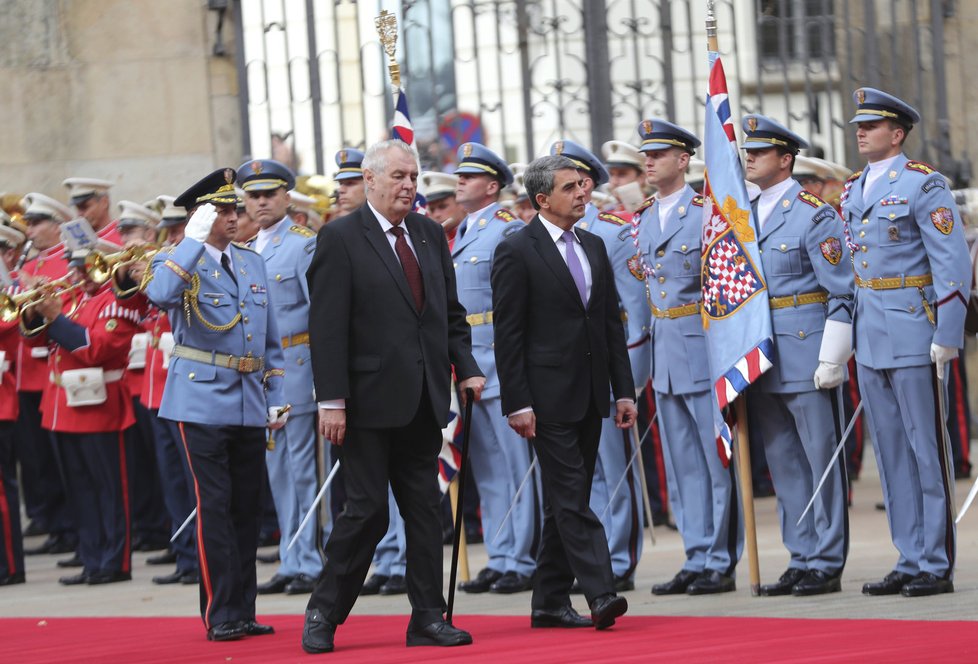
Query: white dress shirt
{"points": [[216, 254], [265, 234], [666, 205], [769, 200], [556, 234], [876, 170]]}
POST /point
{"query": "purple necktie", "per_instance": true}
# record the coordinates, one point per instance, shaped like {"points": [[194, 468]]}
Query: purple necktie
{"points": [[574, 265]]}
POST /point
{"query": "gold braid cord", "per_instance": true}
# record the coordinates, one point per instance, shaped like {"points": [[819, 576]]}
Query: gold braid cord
{"points": [[190, 304]]}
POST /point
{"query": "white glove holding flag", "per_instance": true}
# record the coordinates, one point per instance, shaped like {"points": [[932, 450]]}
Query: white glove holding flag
{"points": [[277, 417], [201, 221], [833, 355], [941, 355]]}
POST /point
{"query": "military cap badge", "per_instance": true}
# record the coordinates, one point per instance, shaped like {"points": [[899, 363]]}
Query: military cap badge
{"points": [[256, 167], [229, 175], [861, 96], [559, 147], [647, 126], [752, 124], [467, 150], [342, 156]]}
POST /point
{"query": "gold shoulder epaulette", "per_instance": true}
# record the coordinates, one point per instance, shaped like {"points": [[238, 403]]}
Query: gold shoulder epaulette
{"points": [[301, 230], [645, 205], [920, 167], [242, 245], [613, 218], [811, 199], [698, 201], [855, 176], [505, 215]]}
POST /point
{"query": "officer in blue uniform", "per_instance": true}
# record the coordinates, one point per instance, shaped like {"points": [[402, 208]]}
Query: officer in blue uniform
{"points": [[499, 457], [224, 387], [616, 492], [798, 403], [350, 194], [913, 276], [287, 249], [702, 493]]}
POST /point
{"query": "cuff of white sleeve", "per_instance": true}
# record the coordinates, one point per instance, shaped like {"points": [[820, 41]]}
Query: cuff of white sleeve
{"points": [[836, 342], [333, 404], [528, 409]]}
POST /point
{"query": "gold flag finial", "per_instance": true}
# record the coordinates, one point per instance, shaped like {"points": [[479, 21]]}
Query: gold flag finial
{"points": [[387, 30]]}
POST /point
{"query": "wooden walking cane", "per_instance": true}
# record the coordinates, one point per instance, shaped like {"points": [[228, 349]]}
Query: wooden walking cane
{"points": [[747, 493], [459, 528]]}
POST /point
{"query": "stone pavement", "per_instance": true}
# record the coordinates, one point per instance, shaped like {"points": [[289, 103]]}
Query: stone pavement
{"points": [[871, 556]]}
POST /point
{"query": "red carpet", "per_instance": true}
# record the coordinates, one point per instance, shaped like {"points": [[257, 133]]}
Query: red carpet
{"points": [[506, 639]]}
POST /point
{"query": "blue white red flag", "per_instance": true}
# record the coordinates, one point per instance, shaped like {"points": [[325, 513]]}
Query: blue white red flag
{"points": [[736, 313], [401, 126], [450, 457]]}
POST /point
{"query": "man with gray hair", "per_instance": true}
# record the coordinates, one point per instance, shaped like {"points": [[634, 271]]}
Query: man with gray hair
{"points": [[560, 346], [386, 328]]}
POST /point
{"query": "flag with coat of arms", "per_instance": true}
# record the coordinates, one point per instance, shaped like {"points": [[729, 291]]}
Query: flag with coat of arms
{"points": [[736, 312]]}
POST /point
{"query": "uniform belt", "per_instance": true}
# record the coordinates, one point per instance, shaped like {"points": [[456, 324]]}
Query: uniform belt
{"points": [[690, 309], [890, 283], [798, 299], [295, 340], [479, 319], [113, 376], [247, 364]]}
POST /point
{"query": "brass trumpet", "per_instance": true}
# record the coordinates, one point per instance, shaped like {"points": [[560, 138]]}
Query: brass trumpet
{"points": [[12, 306], [102, 267]]}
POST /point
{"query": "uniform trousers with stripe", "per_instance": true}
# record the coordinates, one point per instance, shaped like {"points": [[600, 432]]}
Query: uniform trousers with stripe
{"points": [[98, 491], [914, 462], [227, 464], [149, 516], [178, 488], [41, 471], [11, 540]]}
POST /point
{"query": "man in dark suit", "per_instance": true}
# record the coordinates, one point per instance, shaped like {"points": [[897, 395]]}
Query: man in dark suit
{"points": [[386, 328], [559, 345]]}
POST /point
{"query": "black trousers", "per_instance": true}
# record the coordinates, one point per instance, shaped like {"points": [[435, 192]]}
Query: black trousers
{"points": [[11, 540], [573, 542], [178, 488], [97, 483], [41, 471], [227, 463], [407, 458], [149, 517]]}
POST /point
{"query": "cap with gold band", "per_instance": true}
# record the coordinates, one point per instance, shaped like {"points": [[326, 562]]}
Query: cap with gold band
{"points": [[762, 132], [583, 158], [265, 175], [873, 105], [477, 159], [350, 164], [81, 189], [216, 188], [659, 134]]}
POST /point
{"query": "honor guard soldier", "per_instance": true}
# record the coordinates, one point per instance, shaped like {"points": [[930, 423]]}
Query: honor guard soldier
{"points": [[913, 276], [522, 206], [90, 197], [87, 406], [287, 249], [616, 494], [40, 466], [350, 194], [11, 539], [499, 458], [438, 190], [302, 210], [797, 404], [224, 387], [702, 493], [626, 174]]}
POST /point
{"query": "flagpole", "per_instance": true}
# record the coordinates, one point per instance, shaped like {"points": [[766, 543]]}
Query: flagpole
{"points": [[742, 464]]}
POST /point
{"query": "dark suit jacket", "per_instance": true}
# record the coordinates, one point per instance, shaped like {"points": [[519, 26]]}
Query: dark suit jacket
{"points": [[369, 343], [551, 352]]}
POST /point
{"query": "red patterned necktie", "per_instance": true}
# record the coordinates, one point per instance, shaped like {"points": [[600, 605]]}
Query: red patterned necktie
{"points": [[409, 263]]}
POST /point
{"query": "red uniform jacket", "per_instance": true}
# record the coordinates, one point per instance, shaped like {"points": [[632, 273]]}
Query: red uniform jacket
{"points": [[9, 343], [32, 367], [154, 376]]}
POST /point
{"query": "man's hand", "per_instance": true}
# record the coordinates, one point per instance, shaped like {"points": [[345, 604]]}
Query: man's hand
{"points": [[626, 414], [199, 226], [48, 307], [475, 383], [829, 375], [941, 355], [525, 424], [277, 417], [332, 424]]}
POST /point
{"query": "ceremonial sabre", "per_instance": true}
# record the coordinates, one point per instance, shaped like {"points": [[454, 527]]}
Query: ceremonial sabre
{"points": [[945, 444], [516, 498], [186, 522], [466, 432], [967, 501], [315, 504], [631, 461], [835, 454]]}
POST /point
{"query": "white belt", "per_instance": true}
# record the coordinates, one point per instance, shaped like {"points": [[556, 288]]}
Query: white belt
{"points": [[113, 376]]}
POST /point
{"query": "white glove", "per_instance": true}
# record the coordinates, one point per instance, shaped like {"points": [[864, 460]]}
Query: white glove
{"points": [[941, 355], [829, 375], [276, 418], [199, 226]]}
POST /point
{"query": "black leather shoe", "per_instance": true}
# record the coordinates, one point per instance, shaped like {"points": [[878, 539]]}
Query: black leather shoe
{"points": [[76, 580], [54, 544], [624, 584], [74, 561], [101, 578], [677, 585], [394, 586], [438, 633], [228, 631], [317, 633], [268, 558], [925, 584], [482, 582], [563, 617], [255, 628], [891, 584], [167, 579], [13, 579], [711, 582], [300, 585], [34, 529], [510, 583], [791, 576], [817, 582], [372, 585], [191, 578], [165, 558], [275, 585], [606, 608]]}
